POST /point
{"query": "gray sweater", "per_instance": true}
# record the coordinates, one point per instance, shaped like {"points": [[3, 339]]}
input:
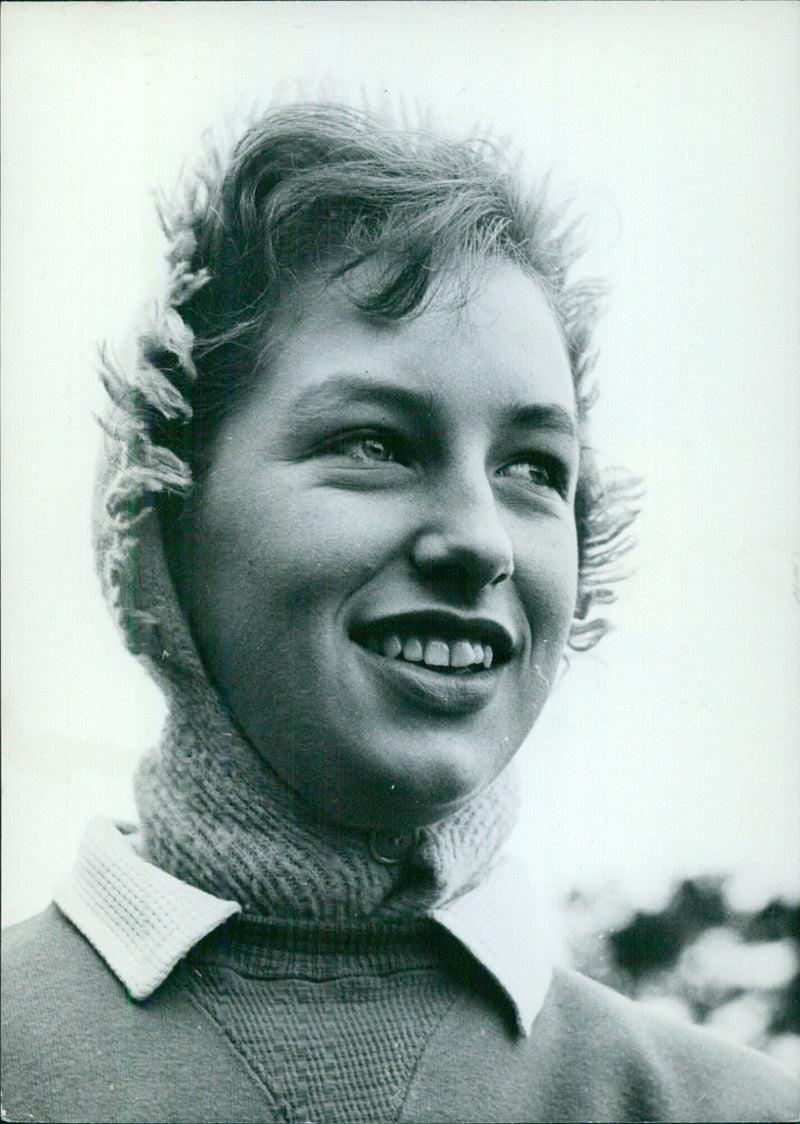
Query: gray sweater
{"points": [[306, 1023]]}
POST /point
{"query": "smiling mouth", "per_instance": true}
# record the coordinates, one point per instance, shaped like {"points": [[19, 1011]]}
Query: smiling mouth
{"points": [[438, 642]]}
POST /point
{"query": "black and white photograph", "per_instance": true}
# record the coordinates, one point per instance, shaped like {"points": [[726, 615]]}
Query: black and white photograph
{"points": [[400, 561]]}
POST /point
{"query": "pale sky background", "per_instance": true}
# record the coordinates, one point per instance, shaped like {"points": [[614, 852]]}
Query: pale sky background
{"points": [[672, 750]]}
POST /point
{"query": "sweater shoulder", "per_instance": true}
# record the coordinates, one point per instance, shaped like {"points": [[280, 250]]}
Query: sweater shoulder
{"points": [[50, 971], [61, 1013], [697, 1074], [43, 953], [76, 1047], [592, 1055]]}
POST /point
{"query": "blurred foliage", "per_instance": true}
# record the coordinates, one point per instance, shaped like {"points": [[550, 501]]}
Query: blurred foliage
{"points": [[699, 960]]}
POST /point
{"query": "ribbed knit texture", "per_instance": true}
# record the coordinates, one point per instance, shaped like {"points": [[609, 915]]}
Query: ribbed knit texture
{"points": [[214, 815], [332, 1022]]}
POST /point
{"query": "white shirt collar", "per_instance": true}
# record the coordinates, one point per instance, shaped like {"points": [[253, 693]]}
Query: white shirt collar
{"points": [[142, 921]]}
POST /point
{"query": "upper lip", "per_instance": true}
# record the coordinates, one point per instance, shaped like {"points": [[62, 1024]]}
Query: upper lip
{"points": [[441, 624]]}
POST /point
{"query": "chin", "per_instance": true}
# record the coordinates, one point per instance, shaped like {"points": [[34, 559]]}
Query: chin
{"points": [[421, 795]]}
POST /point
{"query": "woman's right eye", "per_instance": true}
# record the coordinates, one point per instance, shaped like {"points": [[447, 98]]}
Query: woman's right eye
{"points": [[364, 448]]}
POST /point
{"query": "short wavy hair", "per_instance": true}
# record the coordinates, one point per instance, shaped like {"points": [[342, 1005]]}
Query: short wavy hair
{"points": [[327, 187]]}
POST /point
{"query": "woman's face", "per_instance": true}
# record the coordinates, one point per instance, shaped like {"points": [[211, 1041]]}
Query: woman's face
{"points": [[386, 550]]}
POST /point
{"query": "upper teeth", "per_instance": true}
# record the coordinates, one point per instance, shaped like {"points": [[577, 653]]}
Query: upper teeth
{"points": [[436, 652]]}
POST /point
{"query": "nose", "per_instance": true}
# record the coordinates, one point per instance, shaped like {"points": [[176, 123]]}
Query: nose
{"points": [[463, 545]]}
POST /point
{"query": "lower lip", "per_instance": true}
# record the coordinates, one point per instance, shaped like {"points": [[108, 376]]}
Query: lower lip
{"points": [[434, 690]]}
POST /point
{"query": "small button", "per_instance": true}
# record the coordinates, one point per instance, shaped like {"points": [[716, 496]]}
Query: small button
{"points": [[391, 847]]}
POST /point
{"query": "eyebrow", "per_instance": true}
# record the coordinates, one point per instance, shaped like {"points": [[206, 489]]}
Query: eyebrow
{"points": [[346, 390], [341, 390], [545, 415]]}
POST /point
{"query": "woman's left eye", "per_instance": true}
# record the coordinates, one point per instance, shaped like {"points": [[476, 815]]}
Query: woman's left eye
{"points": [[542, 472]]}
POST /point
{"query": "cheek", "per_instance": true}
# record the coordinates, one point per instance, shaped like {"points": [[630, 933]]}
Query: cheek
{"points": [[547, 577], [288, 547]]}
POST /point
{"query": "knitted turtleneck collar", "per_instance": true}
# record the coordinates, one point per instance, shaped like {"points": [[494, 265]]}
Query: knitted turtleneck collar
{"points": [[214, 815], [212, 811]]}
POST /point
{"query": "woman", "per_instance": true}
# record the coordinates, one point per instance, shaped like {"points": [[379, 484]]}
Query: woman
{"points": [[348, 519]]}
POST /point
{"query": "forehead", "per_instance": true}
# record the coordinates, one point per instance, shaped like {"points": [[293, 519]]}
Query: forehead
{"points": [[486, 333]]}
